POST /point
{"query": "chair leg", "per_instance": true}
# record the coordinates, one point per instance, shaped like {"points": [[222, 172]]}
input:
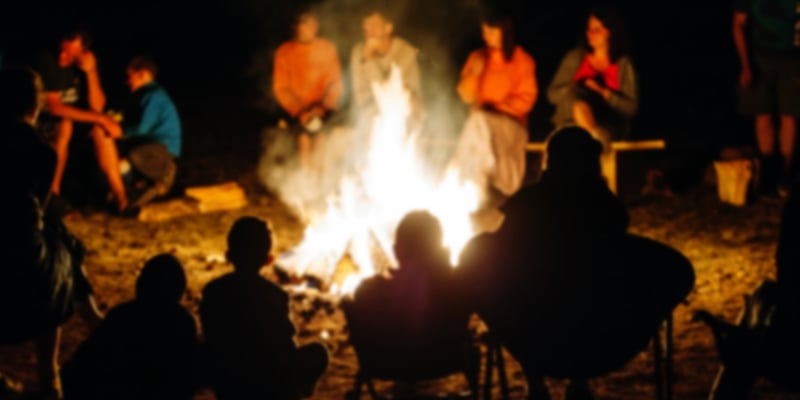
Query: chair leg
{"points": [[662, 355]]}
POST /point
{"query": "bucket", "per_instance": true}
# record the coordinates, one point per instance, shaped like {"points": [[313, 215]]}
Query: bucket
{"points": [[733, 180]]}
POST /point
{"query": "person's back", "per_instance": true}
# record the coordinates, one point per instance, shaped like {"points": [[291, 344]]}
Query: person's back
{"points": [[144, 348], [248, 336], [415, 319], [561, 282]]}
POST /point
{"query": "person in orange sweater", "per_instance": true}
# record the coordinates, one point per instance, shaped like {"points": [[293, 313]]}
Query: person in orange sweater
{"points": [[498, 83], [307, 82]]}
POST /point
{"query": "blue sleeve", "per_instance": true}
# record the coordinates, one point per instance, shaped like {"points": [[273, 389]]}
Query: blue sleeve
{"points": [[151, 106]]}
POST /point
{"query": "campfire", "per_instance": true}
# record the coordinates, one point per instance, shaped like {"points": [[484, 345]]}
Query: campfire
{"points": [[352, 238]]}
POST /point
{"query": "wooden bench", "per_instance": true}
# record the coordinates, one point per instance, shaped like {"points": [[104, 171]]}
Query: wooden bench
{"points": [[609, 166]]}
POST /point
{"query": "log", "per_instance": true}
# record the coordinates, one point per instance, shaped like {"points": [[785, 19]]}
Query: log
{"points": [[633, 145], [225, 196]]}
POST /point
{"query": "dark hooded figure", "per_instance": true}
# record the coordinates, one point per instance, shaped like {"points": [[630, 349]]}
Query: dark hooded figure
{"points": [[144, 348], [561, 284]]}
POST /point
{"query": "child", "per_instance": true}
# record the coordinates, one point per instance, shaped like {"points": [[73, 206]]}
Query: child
{"points": [[249, 338]]}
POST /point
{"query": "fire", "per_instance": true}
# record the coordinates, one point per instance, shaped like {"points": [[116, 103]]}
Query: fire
{"points": [[362, 216]]}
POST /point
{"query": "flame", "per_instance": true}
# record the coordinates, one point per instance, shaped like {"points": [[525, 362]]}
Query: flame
{"points": [[367, 207]]}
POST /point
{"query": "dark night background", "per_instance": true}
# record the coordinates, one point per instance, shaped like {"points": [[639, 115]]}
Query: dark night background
{"points": [[209, 55]]}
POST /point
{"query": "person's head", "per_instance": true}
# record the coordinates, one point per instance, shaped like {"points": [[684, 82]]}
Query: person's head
{"points": [[21, 94], [418, 237], [162, 280], [141, 70], [73, 44], [249, 244], [573, 151], [378, 25], [306, 27], [606, 31], [498, 33]]}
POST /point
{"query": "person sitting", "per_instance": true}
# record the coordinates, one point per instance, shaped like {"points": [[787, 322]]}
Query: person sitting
{"points": [[42, 276], [413, 322], [561, 283], [764, 342], [151, 135], [65, 72], [249, 338], [307, 82], [498, 83], [596, 85], [144, 348]]}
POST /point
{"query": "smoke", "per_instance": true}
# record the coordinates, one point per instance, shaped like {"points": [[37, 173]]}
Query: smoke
{"points": [[443, 31]]}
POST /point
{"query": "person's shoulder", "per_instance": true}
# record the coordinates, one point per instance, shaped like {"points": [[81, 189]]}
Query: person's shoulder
{"points": [[284, 48], [404, 45], [523, 55], [357, 49], [218, 284], [324, 44]]}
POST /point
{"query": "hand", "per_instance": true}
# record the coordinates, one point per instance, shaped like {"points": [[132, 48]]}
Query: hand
{"points": [[592, 85], [478, 64], [371, 48], [745, 77], [87, 62], [112, 128]]}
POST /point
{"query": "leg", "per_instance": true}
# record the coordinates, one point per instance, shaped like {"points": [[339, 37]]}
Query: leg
{"points": [[765, 139], [108, 161], [47, 362], [63, 134], [786, 138], [583, 116], [304, 150]]}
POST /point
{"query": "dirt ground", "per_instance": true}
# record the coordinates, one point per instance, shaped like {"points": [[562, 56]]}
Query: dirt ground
{"points": [[731, 248]]}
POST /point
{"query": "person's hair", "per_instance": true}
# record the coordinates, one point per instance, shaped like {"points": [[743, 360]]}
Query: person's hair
{"points": [[502, 21], [419, 232], [20, 92], [381, 7], [249, 242], [143, 62], [77, 31], [618, 38], [162, 280], [573, 150]]}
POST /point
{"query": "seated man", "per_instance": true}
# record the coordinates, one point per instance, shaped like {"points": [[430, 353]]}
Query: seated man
{"points": [[413, 323], [151, 141], [249, 338], [562, 284], [371, 61], [144, 348], [307, 81], [65, 72]]}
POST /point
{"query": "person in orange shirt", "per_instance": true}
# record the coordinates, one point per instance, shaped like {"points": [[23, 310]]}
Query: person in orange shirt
{"points": [[307, 82], [498, 83]]}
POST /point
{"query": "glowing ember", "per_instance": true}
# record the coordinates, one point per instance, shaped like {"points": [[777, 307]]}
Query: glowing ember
{"points": [[339, 246]]}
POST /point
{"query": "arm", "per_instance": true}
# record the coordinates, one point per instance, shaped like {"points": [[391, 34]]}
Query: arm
{"points": [[409, 66], [335, 87], [522, 98], [58, 108], [625, 101], [562, 86], [96, 97], [281, 84], [470, 78], [358, 70], [740, 41], [151, 116]]}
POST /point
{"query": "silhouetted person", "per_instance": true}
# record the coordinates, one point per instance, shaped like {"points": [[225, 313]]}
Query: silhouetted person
{"points": [[561, 284], [249, 338], [42, 275], [765, 342], [144, 348], [414, 321]]}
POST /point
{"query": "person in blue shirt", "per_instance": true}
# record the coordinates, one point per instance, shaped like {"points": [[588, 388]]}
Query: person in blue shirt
{"points": [[151, 141]]}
